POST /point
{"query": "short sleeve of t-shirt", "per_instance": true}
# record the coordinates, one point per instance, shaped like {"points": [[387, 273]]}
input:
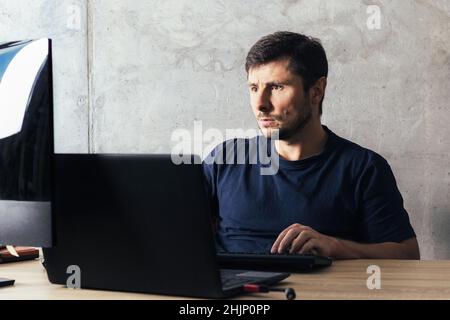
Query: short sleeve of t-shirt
{"points": [[383, 217]]}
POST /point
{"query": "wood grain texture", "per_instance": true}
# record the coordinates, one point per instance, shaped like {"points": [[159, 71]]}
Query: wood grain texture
{"points": [[400, 279]]}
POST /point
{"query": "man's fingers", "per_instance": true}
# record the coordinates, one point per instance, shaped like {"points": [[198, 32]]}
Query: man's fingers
{"points": [[309, 247], [280, 237], [276, 244], [286, 242], [300, 240]]}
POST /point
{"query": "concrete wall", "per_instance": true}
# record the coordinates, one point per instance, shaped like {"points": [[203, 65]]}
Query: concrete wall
{"points": [[127, 73]]}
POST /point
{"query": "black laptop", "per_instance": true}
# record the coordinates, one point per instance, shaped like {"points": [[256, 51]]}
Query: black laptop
{"points": [[138, 223]]}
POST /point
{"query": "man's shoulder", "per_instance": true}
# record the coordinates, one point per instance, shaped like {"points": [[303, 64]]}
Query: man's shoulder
{"points": [[359, 156]]}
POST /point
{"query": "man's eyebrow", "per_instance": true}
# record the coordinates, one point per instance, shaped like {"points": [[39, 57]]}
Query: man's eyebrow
{"points": [[271, 83]]}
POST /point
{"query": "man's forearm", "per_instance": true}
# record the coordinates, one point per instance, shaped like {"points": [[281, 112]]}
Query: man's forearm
{"points": [[345, 249]]}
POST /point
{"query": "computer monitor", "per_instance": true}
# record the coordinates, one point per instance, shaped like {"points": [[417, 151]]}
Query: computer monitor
{"points": [[26, 143]]}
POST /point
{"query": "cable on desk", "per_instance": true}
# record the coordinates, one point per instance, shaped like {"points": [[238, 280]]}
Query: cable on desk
{"points": [[255, 288]]}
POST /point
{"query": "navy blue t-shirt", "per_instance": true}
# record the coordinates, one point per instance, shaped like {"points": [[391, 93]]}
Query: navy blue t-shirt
{"points": [[347, 191]]}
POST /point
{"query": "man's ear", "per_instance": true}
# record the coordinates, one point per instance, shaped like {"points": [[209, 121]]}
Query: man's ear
{"points": [[317, 91]]}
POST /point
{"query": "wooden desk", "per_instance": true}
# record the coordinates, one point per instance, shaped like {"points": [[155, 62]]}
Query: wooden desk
{"points": [[343, 280]]}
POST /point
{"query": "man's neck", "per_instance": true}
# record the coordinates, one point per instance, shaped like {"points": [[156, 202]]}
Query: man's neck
{"points": [[307, 143]]}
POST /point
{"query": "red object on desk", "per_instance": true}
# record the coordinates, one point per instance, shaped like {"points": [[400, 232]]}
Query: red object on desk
{"points": [[25, 253]]}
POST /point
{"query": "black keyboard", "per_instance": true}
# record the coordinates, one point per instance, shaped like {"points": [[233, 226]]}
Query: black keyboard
{"points": [[272, 262]]}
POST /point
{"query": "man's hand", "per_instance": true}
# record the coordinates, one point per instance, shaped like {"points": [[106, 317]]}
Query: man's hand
{"points": [[298, 238]]}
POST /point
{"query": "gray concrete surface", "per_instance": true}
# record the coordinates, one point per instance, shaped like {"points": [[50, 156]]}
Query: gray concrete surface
{"points": [[155, 66]]}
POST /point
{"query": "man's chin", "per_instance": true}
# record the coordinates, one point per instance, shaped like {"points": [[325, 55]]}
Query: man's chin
{"points": [[270, 133]]}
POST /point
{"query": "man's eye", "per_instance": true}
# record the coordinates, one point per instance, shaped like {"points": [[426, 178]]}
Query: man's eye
{"points": [[277, 87], [254, 89]]}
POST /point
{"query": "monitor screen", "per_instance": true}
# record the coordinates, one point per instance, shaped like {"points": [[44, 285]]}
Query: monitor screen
{"points": [[26, 143]]}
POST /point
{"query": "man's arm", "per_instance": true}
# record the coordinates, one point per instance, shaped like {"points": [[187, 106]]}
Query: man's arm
{"points": [[298, 238], [408, 249]]}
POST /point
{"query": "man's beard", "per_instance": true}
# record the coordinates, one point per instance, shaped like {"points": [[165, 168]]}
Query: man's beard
{"points": [[295, 127]]}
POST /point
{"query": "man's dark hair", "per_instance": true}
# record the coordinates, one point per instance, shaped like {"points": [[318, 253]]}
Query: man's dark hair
{"points": [[307, 56]]}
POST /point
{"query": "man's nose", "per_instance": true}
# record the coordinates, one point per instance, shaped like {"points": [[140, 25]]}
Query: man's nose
{"points": [[262, 102]]}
